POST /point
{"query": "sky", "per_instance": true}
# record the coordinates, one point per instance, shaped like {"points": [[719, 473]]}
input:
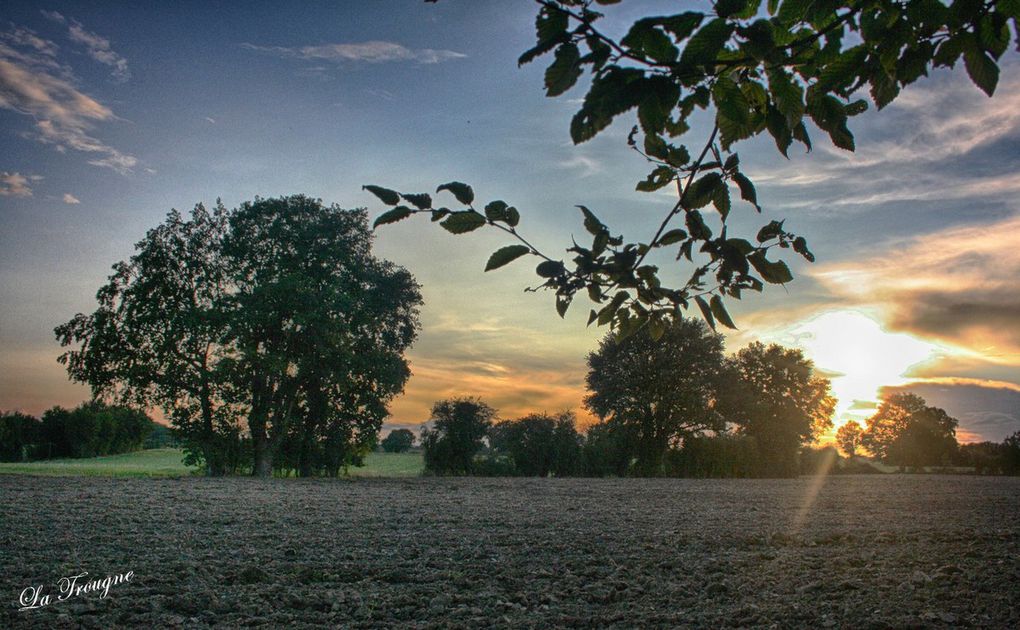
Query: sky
{"points": [[113, 113]]}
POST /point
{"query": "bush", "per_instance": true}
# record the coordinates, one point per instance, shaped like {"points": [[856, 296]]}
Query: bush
{"points": [[398, 441], [19, 435], [538, 445], [715, 456]]}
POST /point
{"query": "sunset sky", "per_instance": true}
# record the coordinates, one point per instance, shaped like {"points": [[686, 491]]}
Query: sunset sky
{"points": [[113, 113]]}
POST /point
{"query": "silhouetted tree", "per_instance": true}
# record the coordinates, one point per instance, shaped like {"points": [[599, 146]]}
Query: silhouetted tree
{"points": [[459, 426], [905, 431], [607, 450], [539, 445], [774, 396], [756, 70], [724, 456], [91, 429], [1011, 454], [157, 337], [987, 458], [19, 435], [398, 441], [848, 438], [661, 384]]}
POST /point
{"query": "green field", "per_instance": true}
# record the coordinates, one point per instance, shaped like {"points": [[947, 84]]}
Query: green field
{"points": [[167, 462]]}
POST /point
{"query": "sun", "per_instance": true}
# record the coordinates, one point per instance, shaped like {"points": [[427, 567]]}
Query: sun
{"points": [[860, 358]]}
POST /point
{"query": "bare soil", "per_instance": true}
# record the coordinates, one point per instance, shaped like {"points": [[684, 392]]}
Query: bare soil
{"points": [[871, 551]]}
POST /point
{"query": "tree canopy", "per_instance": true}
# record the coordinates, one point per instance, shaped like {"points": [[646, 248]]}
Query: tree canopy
{"points": [[275, 317], [777, 68], [658, 391], [905, 431], [775, 397], [459, 426]]}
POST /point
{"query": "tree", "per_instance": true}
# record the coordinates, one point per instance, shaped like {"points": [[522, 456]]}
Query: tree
{"points": [[458, 427], [906, 432], [754, 71], [660, 385], [539, 445], [775, 397], [398, 441], [848, 438], [320, 326], [276, 314], [157, 337], [19, 435], [1011, 454]]}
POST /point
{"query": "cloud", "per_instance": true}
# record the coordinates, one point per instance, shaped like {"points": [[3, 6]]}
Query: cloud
{"points": [[99, 49], [365, 52], [958, 286], [70, 199], [16, 184], [35, 84]]}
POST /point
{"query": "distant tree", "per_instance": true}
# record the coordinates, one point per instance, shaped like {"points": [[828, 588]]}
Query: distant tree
{"points": [[157, 337], [732, 71], [19, 435], [775, 397], [1011, 454], [459, 426], [906, 432], [91, 429], [986, 458], [398, 441], [661, 384], [848, 438], [539, 445], [320, 326]]}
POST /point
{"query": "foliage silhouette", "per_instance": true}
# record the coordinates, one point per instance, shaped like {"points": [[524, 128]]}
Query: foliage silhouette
{"points": [[775, 397], [906, 432], [539, 445], [658, 391], [759, 70], [459, 426], [398, 441]]}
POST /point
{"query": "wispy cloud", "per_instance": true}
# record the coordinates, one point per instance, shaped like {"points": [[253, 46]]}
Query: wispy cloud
{"points": [[364, 52], [956, 285], [16, 184], [70, 199], [99, 49], [34, 83]]}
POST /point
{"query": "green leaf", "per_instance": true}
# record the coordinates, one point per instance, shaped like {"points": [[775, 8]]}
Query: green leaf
{"points": [[982, 69], [392, 216], [707, 43], [461, 222], [505, 255], [670, 237], [513, 217], [696, 226], [551, 24], [721, 199], [730, 100], [496, 210], [422, 201], [387, 196], [726, 8], [661, 176], [591, 222], [462, 192], [720, 313], [563, 73], [775, 272], [550, 268], [747, 191], [562, 303], [793, 11], [706, 311], [787, 94]]}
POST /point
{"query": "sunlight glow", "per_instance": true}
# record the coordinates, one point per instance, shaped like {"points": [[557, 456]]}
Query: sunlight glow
{"points": [[860, 358]]}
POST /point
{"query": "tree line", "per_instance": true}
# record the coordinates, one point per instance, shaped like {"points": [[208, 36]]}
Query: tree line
{"points": [[678, 406], [270, 335], [89, 430]]}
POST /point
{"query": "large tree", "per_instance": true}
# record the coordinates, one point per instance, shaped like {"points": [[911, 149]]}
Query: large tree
{"points": [[848, 438], [157, 337], [320, 326], [755, 68], [658, 385], [276, 314], [775, 397], [905, 431]]}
